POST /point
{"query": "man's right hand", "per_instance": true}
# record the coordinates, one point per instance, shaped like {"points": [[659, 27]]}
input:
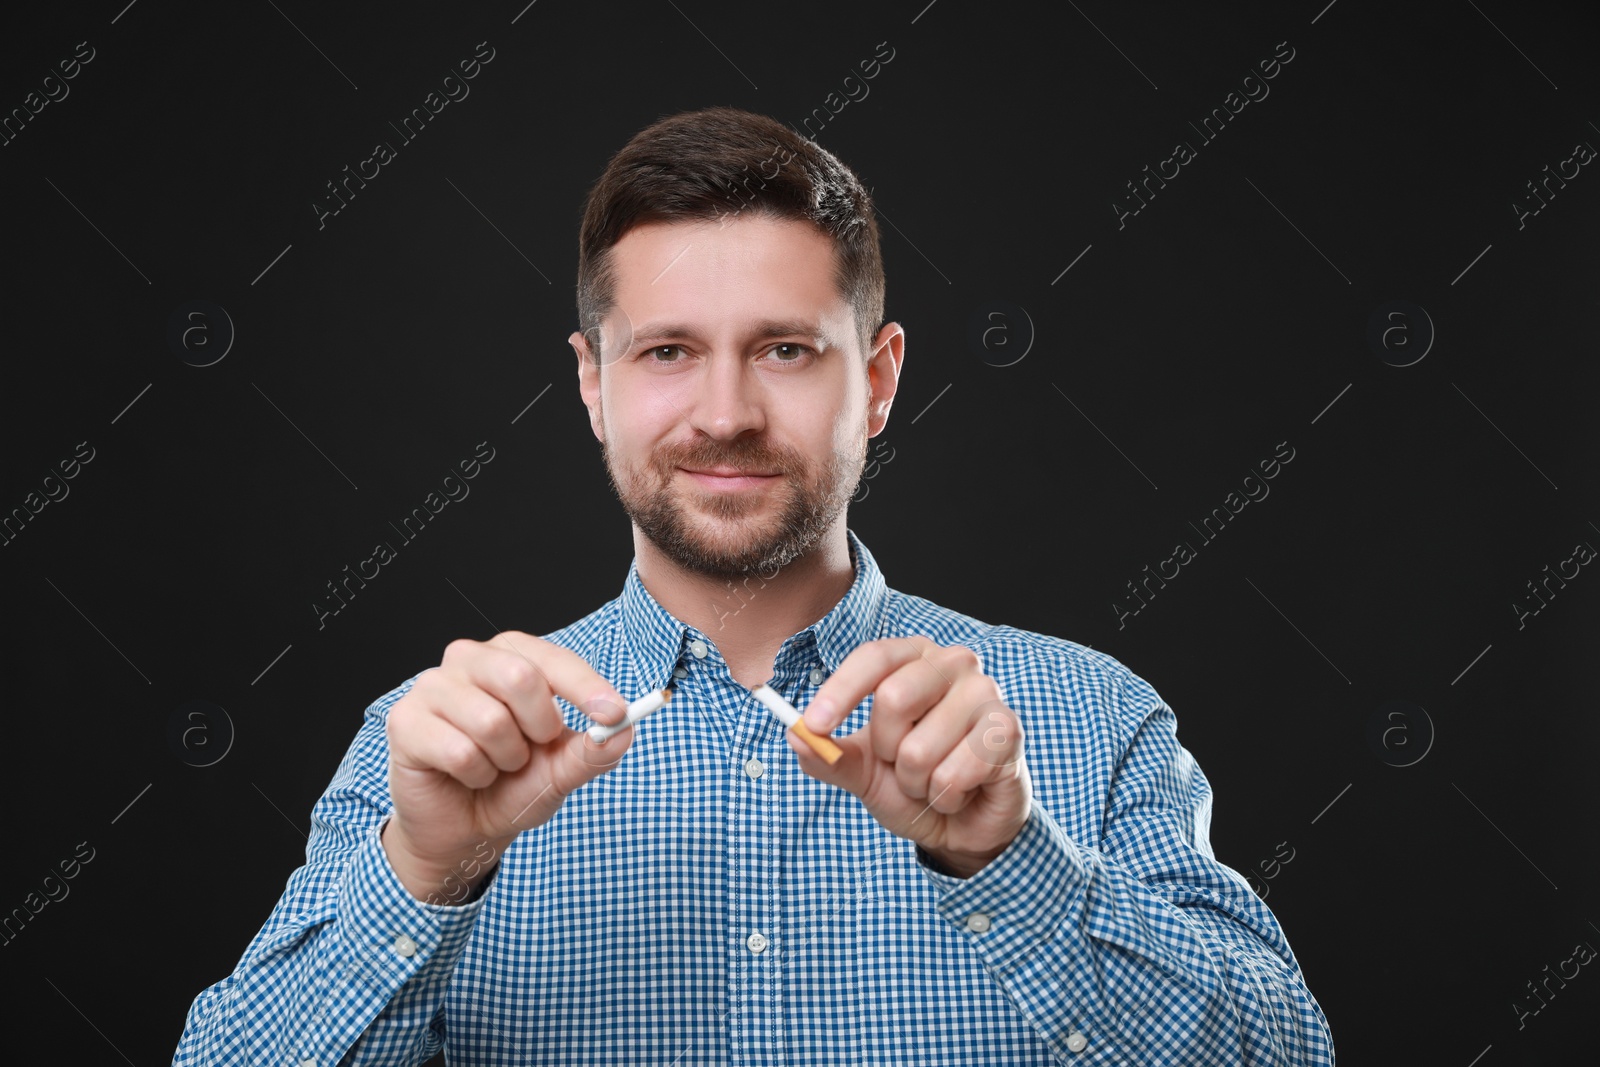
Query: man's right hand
{"points": [[478, 753]]}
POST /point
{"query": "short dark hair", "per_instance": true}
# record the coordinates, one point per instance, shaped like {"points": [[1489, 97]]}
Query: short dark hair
{"points": [[717, 163]]}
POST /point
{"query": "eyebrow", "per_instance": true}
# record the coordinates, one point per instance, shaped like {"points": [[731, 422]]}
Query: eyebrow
{"points": [[657, 332]]}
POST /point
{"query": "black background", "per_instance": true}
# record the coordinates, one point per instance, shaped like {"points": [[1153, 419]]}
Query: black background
{"points": [[1178, 351]]}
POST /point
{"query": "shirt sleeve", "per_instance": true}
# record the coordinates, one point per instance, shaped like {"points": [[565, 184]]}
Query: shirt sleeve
{"points": [[1144, 949], [349, 968]]}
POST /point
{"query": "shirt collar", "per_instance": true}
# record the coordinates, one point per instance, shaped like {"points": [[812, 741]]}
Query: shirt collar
{"points": [[657, 639]]}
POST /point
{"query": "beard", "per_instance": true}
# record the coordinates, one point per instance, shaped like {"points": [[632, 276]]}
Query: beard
{"points": [[727, 536]]}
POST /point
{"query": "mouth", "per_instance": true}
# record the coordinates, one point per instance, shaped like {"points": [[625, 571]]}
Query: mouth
{"points": [[729, 478]]}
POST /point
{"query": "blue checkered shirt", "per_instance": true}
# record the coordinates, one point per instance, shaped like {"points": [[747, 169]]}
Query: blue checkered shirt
{"points": [[707, 902]]}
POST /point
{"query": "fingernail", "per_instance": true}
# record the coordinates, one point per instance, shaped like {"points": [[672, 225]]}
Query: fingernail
{"points": [[819, 715]]}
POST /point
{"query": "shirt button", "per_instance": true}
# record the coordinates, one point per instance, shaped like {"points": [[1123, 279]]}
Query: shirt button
{"points": [[680, 672], [404, 946], [1077, 1042], [756, 943], [698, 647], [977, 922], [754, 768], [818, 675]]}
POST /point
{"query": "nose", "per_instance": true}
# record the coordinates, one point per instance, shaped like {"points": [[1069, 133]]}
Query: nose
{"points": [[729, 400]]}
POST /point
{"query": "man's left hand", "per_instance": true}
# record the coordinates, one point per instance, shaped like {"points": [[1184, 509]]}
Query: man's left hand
{"points": [[939, 762]]}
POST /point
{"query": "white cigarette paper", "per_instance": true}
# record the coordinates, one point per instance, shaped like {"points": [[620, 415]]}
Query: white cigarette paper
{"points": [[776, 704], [637, 711]]}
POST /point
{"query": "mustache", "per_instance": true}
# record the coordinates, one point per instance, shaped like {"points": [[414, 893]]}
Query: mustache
{"points": [[757, 457]]}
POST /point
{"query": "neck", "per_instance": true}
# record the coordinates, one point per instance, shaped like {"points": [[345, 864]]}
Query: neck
{"points": [[750, 618]]}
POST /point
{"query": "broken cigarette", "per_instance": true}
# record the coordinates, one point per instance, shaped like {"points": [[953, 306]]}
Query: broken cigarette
{"points": [[818, 743], [638, 710]]}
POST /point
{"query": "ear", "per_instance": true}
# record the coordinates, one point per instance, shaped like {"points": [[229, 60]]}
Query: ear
{"points": [[883, 375], [588, 382]]}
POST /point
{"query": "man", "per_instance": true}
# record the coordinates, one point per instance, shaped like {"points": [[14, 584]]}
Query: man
{"points": [[702, 888]]}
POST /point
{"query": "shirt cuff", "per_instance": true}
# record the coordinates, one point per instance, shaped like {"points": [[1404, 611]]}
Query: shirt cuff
{"points": [[1022, 897], [393, 933]]}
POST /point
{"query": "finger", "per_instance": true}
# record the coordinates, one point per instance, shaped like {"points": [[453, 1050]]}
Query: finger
{"points": [[969, 769], [997, 737], [572, 678], [860, 673], [924, 744], [509, 673], [914, 692], [489, 724], [957, 779], [432, 743], [524, 672]]}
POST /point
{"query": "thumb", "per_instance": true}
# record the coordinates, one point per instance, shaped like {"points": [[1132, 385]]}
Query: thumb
{"points": [[532, 795], [577, 759]]}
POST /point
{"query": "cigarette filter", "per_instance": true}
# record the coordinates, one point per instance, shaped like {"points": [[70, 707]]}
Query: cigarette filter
{"points": [[821, 745]]}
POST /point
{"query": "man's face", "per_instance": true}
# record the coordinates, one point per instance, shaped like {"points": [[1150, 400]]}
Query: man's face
{"points": [[729, 347]]}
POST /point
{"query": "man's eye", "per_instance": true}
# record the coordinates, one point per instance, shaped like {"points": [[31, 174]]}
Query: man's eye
{"points": [[660, 353], [789, 353]]}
